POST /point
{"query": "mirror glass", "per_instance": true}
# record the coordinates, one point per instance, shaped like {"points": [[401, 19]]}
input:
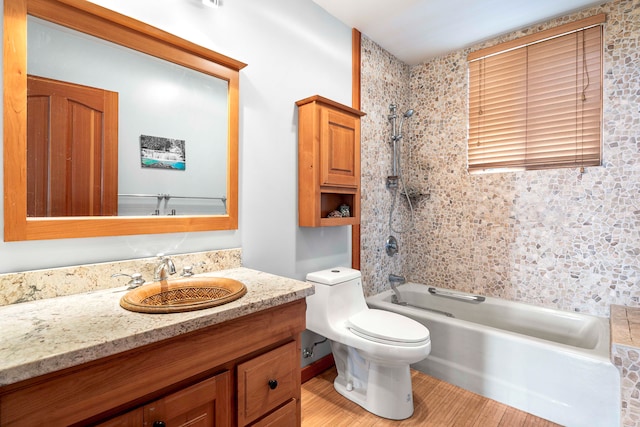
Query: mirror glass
{"points": [[161, 114], [171, 126]]}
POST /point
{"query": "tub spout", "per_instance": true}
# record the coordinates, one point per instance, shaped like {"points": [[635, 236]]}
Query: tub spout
{"points": [[395, 280]]}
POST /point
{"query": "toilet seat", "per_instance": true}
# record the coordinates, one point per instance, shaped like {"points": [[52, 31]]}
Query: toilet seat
{"points": [[388, 328]]}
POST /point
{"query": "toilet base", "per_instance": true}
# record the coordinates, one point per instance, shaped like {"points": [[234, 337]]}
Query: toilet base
{"points": [[387, 391]]}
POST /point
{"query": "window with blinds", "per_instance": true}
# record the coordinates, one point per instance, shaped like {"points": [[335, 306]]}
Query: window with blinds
{"points": [[536, 102]]}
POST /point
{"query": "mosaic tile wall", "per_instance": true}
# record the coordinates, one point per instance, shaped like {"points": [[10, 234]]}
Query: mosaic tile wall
{"points": [[553, 238], [627, 360], [625, 353], [385, 81]]}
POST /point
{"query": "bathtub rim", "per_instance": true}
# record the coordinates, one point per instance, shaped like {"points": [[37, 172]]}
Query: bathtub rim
{"points": [[602, 349]]}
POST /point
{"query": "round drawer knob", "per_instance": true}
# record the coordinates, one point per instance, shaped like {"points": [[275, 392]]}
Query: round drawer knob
{"points": [[273, 384], [159, 424]]}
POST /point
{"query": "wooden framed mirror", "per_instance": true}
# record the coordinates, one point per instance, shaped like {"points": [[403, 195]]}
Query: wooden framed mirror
{"points": [[104, 24]]}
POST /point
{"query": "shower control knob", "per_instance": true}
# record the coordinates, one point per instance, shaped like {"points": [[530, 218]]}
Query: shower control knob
{"points": [[273, 384], [391, 246]]}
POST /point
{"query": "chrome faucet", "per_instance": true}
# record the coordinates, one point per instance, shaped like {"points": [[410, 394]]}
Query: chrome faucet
{"points": [[165, 266], [395, 280]]}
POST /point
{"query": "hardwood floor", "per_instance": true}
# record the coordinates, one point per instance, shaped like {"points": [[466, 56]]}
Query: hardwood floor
{"points": [[436, 404]]}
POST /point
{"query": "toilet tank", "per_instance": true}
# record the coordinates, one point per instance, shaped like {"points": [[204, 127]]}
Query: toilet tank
{"points": [[338, 295], [334, 276]]}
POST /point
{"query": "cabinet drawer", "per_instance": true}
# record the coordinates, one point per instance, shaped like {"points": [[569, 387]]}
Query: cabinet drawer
{"points": [[281, 417], [266, 381]]}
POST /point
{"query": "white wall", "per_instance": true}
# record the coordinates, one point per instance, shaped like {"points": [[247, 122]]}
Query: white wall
{"points": [[293, 50]]}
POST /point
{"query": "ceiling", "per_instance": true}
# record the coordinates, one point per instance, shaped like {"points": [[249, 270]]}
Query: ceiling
{"points": [[417, 30]]}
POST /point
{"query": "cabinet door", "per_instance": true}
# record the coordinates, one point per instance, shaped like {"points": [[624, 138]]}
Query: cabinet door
{"points": [[339, 149], [204, 404]]}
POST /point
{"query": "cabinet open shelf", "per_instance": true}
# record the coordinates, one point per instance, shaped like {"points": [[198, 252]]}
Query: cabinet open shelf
{"points": [[331, 202]]}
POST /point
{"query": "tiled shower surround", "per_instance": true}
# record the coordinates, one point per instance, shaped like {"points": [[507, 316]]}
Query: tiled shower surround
{"points": [[554, 238], [385, 81], [625, 353]]}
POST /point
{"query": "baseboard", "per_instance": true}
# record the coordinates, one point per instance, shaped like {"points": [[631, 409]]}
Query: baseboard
{"points": [[317, 367]]}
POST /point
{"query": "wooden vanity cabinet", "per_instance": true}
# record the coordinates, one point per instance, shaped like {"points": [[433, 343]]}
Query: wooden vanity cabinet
{"points": [[328, 162], [244, 371]]}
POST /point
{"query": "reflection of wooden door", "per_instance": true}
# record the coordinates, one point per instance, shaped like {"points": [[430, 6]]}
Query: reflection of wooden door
{"points": [[72, 149]]}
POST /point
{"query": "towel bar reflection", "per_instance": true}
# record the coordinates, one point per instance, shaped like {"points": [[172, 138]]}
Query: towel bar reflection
{"points": [[166, 197]]}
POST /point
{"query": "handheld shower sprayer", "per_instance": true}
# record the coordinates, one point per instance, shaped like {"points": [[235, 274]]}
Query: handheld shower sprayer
{"points": [[406, 115], [393, 118]]}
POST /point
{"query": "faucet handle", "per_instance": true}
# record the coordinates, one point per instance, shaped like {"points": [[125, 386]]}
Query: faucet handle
{"points": [[136, 279], [187, 271]]}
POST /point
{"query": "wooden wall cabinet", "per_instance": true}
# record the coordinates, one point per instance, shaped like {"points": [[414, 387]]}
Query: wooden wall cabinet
{"points": [[328, 162], [241, 372]]}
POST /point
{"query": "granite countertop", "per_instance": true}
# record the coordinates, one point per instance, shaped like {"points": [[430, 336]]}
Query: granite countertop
{"points": [[44, 336]]}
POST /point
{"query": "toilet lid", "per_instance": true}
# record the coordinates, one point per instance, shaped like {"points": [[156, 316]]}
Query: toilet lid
{"points": [[387, 326]]}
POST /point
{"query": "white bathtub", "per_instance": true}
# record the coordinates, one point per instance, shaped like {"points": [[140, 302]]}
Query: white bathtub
{"points": [[550, 363]]}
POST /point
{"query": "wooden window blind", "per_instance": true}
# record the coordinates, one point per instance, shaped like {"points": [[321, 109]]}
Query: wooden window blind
{"points": [[536, 102]]}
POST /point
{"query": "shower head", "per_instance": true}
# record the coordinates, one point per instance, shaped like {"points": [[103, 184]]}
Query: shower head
{"points": [[406, 115]]}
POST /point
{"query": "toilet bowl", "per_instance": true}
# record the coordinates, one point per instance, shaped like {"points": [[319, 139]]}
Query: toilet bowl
{"points": [[372, 348]]}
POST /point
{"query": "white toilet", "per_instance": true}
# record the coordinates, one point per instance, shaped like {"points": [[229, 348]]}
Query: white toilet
{"points": [[372, 348]]}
